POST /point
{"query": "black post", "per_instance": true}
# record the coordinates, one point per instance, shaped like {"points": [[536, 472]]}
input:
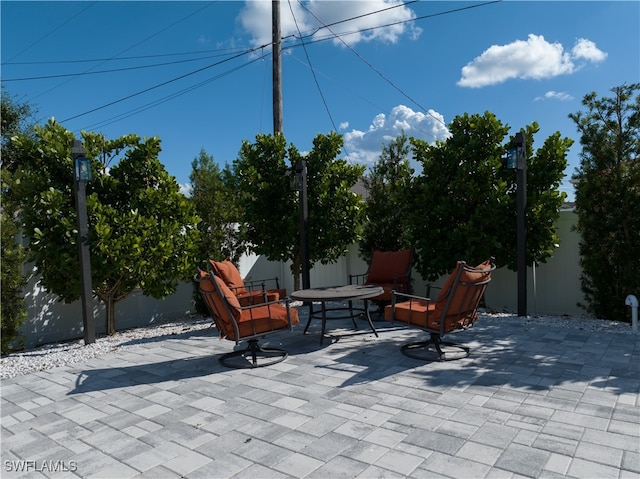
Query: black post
{"points": [[276, 66], [304, 225], [82, 175], [521, 225]]}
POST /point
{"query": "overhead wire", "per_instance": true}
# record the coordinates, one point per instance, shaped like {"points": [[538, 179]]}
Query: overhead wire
{"points": [[159, 85], [129, 48], [313, 73], [113, 70], [52, 31], [372, 67], [299, 38], [167, 98]]}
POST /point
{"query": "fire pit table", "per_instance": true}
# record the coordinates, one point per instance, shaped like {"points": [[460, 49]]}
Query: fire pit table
{"points": [[349, 293]]}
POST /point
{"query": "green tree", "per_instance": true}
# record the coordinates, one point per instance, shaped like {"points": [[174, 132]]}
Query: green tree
{"points": [[214, 195], [142, 230], [464, 201], [17, 118], [387, 203], [608, 199], [270, 209], [215, 198]]}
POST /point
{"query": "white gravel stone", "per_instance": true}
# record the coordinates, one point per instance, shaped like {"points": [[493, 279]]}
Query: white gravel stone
{"points": [[60, 354], [69, 352]]}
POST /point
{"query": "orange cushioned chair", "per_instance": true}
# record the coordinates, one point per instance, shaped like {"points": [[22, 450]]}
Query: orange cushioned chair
{"points": [[456, 307], [389, 269], [248, 323], [249, 292]]}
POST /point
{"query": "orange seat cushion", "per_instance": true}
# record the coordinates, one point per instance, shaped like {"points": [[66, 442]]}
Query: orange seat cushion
{"points": [[262, 319], [250, 321], [427, 314]]}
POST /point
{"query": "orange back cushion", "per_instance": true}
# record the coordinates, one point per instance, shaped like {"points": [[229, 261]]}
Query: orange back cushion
{"points": [[217, 305], [465, 298], [386, 265], [229, 274]]}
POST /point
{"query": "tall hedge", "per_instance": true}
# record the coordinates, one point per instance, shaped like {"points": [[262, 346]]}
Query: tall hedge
{"points": [[608, 200]]}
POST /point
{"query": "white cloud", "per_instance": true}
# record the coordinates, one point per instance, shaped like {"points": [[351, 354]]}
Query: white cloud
{"points": [[364, 147], [344, 125], [555, 95], [535, 58], [186, 189], [587, 49], [312, 19]]}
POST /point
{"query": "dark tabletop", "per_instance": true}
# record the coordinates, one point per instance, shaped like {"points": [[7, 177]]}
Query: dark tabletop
{"points": [[338, 293]]}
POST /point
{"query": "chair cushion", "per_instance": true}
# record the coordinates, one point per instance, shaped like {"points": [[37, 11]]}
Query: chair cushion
{"points": [[262, 319], [387, 265], [415, 312], [249, 298], [427, 314], [465, 277], [229, 274], [217, 306]]}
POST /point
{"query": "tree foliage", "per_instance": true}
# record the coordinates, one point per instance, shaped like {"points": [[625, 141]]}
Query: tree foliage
{"points": [[142, 230], [215, 198], [17, 118], [388, 201], [270, 209], [608, 199], [464, 200], [214, 195]]}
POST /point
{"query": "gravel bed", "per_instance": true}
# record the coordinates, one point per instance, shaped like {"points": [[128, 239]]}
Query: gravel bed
{"points": [[70, 352]]}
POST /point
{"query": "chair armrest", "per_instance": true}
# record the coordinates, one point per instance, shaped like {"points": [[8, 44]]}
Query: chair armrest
{"points": [[283, 302]]}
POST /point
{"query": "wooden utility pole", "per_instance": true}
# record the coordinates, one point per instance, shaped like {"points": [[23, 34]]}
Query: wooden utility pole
{"points": [[277, 67]]}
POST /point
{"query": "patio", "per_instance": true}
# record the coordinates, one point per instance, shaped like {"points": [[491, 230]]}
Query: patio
{"points": [[532, 400]]}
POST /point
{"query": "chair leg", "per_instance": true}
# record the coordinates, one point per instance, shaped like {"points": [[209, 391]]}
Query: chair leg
{"points": [[435, 348], [253, 356]]}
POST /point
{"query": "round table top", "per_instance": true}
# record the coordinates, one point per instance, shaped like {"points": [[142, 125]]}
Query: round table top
{"points": [[337, 293]]}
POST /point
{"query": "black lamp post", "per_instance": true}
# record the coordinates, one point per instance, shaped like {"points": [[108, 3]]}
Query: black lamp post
{"points": [[82, 170], [299, 183], [517, 159]]}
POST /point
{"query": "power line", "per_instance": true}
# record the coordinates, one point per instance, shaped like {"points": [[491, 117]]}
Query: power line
{"points": [[167, 98], [53, 31], [135, 57], [313, 73], [379, 72], [114, 70], [249, 51], [157, 86], [129, 48]]}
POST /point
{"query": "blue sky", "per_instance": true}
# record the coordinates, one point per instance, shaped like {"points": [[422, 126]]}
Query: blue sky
{"points": [[198, 74]]}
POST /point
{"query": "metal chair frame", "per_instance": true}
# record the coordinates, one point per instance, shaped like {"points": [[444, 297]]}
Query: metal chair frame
{"points": [[254, 355], [463, 317]]}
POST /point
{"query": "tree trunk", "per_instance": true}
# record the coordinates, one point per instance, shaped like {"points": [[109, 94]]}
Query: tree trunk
{"points": [[110, 310], [296, 268]]}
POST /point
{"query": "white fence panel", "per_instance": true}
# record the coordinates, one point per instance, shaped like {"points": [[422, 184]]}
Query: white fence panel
{"points": [[554, 289]]}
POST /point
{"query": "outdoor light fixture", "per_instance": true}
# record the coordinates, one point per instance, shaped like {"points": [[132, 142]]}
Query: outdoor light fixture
{"points": [[83, 169], [515, 152], [297, 174]]}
